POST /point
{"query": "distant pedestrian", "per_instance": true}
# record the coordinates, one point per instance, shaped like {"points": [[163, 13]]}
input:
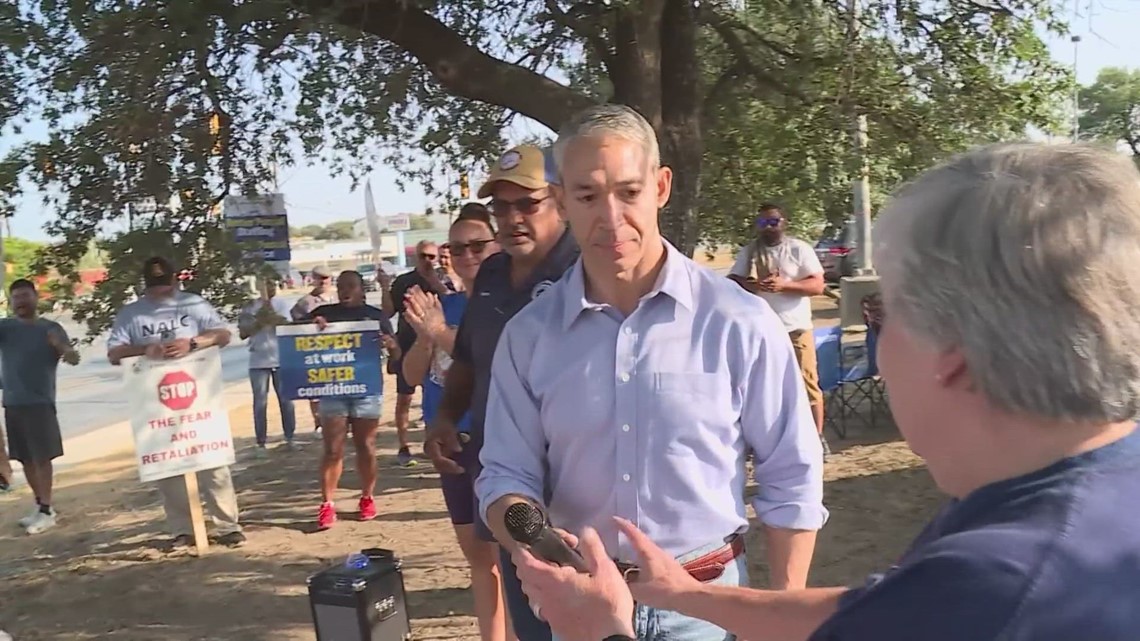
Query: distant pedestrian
{"points": [[258, 322], [786, 273], [31, 348], [167, 323], [320, 294]]}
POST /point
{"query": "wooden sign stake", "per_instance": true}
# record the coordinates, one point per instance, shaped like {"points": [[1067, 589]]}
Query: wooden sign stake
{"points": [[197, 519]]}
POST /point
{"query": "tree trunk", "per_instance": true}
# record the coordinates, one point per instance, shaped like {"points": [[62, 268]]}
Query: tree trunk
{"points": [[636, 72], [654, 69], [682, 144]]}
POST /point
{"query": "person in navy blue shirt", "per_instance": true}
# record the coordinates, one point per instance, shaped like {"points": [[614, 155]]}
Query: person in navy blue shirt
{"points": [[359, 415], [1010, 347], [436, 321]]}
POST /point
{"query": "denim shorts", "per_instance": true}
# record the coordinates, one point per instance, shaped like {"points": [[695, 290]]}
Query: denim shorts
{"points": [[350, 407]]}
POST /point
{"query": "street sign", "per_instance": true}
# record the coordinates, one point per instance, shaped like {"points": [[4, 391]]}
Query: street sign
{"points": [[260, 225], [397, 222]]}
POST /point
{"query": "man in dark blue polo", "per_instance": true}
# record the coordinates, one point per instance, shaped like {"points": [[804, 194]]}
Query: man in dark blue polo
{"points": [[537, 251]]}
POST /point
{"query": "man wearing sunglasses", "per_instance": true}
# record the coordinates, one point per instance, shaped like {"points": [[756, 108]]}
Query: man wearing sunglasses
{"points": [[536, 251], [427, 277], [786, 273]]}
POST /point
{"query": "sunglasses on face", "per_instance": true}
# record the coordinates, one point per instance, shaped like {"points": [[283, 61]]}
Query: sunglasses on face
{"points": [[475, 247], [428, 256], [525, 206], [768, 222]]}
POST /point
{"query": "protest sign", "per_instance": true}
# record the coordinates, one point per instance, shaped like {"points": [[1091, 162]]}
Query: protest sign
{"points": [[341, 360], [178, 419]]}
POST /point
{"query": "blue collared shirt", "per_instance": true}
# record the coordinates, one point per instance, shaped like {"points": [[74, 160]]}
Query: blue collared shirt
{"points": [[648, 417]]}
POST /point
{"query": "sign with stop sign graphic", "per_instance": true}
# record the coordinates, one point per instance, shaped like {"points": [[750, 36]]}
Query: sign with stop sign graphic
{"points": [[177, 390], [178, 416]]}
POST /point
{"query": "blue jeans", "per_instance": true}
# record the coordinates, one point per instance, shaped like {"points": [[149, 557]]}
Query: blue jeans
{"points": [[259, 380], [527, 626], [652, 624]]}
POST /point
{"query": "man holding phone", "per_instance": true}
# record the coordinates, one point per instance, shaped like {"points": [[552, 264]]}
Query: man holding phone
{"points": [[786, 273], [168, 323]]}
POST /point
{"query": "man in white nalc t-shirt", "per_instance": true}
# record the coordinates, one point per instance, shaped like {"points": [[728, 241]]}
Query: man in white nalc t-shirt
{"points": [[786, 272]]}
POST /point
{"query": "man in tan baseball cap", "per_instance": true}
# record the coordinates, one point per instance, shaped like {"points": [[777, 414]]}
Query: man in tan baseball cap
{"points": [[525, 165], [537, 251], [523, 206]]}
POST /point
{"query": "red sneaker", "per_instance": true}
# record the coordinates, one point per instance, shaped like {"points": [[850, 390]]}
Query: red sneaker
{"points": [[367, 508], [326, 516]]}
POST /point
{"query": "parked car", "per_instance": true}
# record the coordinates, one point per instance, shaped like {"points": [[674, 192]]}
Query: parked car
{"points": [[836, 250], [368, 273]]}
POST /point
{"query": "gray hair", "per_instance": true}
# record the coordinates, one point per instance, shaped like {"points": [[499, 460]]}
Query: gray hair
{"points": [[1026, 257], [609, 120]]}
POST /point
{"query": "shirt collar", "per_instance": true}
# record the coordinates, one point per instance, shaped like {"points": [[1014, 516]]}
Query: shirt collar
{"points": [[674, 281]]}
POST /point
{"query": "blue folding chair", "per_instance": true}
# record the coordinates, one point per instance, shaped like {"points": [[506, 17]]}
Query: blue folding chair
{"points": [[860, 385], [829, 362]]}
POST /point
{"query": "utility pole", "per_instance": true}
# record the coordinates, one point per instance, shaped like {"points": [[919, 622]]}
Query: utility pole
{"points": [[864, 281], [1076, 40]]}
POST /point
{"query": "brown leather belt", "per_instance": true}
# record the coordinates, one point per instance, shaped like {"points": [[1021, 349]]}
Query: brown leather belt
{"points": [[704, 568]]}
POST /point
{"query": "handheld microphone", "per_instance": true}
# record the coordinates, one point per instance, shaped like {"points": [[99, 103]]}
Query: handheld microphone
{"points": [[528, 525]]}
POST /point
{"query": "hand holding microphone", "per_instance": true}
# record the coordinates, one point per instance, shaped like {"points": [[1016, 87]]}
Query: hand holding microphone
{"points": [[527, 524]]}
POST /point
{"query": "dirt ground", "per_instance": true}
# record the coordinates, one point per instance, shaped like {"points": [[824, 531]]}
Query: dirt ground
{"points": [[104, 572]]}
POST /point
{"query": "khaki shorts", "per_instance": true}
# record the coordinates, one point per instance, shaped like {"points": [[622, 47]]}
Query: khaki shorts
{"points": [[804, 345]]}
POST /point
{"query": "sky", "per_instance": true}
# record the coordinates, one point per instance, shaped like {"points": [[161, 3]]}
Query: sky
{"points": [[1107, 29]]}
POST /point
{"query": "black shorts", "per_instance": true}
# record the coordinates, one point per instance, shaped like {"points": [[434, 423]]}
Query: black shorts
{"points": [[33, 433], [403, 387]]}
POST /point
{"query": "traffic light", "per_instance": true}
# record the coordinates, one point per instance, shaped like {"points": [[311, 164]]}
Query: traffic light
{"points": [[464, 187], [215, 132]]}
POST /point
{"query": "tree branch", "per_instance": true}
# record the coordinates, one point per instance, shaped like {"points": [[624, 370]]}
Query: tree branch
{"points": [[718, 21], [462, 69], [578, 27], [722, 83], [742, 56]]}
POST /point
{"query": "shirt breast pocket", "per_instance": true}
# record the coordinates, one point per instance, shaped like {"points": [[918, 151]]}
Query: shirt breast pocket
{"points": [[692, 414], [686, 384]]}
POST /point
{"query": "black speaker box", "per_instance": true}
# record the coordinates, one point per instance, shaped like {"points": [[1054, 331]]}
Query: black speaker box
{"points": [[361, 604]]}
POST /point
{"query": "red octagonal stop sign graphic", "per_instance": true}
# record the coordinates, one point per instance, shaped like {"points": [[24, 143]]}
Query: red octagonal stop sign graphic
{"points": [[177, 390]]}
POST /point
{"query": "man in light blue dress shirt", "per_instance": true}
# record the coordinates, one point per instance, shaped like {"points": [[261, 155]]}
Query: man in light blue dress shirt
{"points": [[634, 386]]}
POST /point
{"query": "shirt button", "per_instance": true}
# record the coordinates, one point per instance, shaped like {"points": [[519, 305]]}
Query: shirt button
{"points": [[628, 330], [625, 428], [625, 477], [624, 377]]}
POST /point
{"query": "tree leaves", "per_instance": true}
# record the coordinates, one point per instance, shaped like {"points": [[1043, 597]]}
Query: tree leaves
{"points": [[1111, 108], [154, 102]]}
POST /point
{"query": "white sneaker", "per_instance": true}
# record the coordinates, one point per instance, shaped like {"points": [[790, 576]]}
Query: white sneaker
{"points": [[40, 523], [27, 520]]}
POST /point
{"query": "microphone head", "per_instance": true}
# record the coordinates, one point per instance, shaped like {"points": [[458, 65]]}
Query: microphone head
{"points": [[524, 522]]}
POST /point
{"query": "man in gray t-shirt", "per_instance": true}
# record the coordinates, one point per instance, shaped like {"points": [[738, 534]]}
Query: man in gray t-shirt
{"points": [[168, 323], [31, 348]]}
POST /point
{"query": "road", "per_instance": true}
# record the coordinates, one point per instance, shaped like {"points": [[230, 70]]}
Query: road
{"points": [[91, 395]]}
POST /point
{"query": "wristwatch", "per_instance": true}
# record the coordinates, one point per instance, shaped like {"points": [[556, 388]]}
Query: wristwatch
{"points": [[193, 344]]}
